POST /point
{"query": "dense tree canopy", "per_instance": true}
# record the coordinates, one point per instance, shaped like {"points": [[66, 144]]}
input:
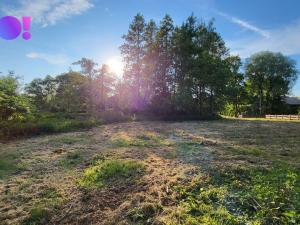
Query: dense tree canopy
{"points": [[13, 105], [270, 77], [170, 71]]}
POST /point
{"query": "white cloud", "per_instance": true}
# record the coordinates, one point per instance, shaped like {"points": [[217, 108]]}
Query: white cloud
{"points": [[246, 25], [48, 12], [55, 59], [284, 39]]}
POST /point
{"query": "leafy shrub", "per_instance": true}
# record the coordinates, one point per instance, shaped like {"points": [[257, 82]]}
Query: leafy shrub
{"points": [[228, 110], [113, 116], [13, 105], [11, 129]]}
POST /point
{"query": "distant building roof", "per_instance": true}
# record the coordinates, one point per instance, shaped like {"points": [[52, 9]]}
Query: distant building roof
{"points": [[292, 100]]}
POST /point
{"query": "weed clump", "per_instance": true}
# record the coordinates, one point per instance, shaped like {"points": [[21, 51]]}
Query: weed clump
{"points": [[106, 172], [38, 215], [241, 196], [49, 200], [144, 213]]}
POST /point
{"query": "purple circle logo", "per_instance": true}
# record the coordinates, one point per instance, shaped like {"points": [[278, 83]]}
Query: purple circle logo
{"points": [[10, 27]]}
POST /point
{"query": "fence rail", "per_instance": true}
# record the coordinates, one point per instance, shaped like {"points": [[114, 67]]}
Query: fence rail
{"points": [[284, 117]]}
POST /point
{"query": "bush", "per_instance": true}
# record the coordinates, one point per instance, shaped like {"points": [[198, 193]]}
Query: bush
{"points": [[43, 124], [112, 116]]}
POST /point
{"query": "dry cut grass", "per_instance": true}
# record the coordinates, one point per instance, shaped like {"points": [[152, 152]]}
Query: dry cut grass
{"points": [[206, 172]]}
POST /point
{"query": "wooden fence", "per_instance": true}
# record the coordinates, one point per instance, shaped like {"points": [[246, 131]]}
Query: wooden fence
{"points": [[283, 117]]}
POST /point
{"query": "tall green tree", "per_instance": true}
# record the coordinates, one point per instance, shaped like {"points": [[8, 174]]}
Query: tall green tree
{"points": [[133, 52], [164, 68], [42, 92], [235, 90], [105, 85], [89, 70], [150, 61], [13, 105], [270, 77], [185, 60], [70, 94]]}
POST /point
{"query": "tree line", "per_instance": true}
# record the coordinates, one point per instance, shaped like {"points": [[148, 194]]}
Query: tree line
{"points": [[170, 70]]}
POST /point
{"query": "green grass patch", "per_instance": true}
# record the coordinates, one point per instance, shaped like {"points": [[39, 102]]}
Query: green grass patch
{"points": [[253, 151], [71, 160], [143, 140], [49, 200], [68, 140], [241, 196], [135, 142], [106, 172], [9, 164], [38, 215], [184, 149]]}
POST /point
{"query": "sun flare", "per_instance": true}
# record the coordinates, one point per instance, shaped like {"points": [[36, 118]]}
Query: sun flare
{"points": [[116, 66]]}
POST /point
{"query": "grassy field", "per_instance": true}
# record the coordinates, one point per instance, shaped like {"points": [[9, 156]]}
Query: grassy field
{"points": [[206, 172]]}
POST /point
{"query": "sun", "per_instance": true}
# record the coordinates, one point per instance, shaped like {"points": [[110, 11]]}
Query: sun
{"points": [[116, 66]]}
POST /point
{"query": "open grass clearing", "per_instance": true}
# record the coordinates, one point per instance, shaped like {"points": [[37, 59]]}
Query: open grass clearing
{"points": [[206, 172]]}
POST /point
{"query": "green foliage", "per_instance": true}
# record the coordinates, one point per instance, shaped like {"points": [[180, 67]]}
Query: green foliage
{"points": [[113, 116], [270, 76], [241, 196], [178, 70], [228, 110], [57, 125], [104, 173], [71, 92], [171, 72], [13, 106], [40, 125], [41, 92], [236, 89]]}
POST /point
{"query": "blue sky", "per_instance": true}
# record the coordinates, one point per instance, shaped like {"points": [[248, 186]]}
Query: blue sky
{"points": [[64, 31]]}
